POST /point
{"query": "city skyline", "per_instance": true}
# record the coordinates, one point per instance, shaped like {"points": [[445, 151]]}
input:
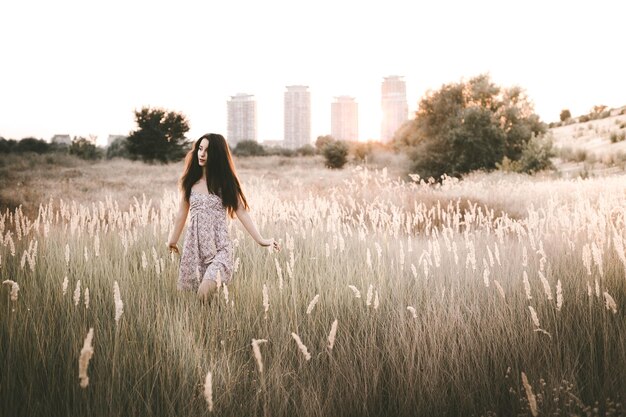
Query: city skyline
{"points": [[68, 70]]}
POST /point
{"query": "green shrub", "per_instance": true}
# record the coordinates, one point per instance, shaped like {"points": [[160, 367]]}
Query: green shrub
{"points": [[536, 156], [118, 149], [249, 148], [336, 154], [85, 149]]}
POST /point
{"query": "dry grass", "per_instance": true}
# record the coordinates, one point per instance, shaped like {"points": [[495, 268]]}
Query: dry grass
{"points": [[496, 295]]}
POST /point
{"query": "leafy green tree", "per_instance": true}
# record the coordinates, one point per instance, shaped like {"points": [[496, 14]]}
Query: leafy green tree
{"points": [[467, 126], [7, 145], [565, 115], [249, 148], [160, 136], [118, 149], [336, 154], [32, 145], [85, 149]]}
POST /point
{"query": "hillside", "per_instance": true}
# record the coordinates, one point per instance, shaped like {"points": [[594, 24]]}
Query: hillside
{"points": [[595, 145]]}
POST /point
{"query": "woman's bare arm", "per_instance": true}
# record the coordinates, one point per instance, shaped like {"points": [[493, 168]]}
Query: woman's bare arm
{"points": [[179, 223], [250, 226]]}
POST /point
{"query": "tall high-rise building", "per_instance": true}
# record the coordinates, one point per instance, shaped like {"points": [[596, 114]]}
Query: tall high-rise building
{"points": [[344, 118], [394, 106], [297, 116], [241, 119]]}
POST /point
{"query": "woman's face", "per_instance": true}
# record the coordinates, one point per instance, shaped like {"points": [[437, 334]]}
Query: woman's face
{"points": [[204, 144]]}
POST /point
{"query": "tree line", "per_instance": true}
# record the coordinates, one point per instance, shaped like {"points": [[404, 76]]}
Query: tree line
{"points": [[462, 127]]}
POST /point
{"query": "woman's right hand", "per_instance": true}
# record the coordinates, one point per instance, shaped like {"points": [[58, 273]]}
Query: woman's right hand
{"points": [[173, 248]]}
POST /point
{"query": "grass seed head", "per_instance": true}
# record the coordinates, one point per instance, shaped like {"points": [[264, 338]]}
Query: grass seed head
{"points": [[332, 335], [301, 346], [532, 401], [208, 390], [15, 288], [312, 304], [85, 356], [355, 290]]}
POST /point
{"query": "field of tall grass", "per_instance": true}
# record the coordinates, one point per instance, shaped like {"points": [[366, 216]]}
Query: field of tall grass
{"points": [[495, 295]]}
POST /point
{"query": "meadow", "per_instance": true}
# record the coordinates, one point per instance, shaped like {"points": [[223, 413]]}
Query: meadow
{"points": [[500, 294]]}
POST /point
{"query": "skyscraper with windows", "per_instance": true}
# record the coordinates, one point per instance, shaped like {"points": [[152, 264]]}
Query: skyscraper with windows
{"points": [[344, 119], [241, 119], [394, 106], [297, 116]]}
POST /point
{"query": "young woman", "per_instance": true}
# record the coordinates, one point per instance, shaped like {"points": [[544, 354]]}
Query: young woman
{"points": [[210, 190]]}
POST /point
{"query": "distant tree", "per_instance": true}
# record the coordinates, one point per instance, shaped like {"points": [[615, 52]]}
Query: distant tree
{"points": [[565, 115], [32, 145], [160, 136], [306, 150], [467, 126], [322, 141], [7, 145], [249, 148], [85, 148], [118, 149], [336, 154], [598, 110]]}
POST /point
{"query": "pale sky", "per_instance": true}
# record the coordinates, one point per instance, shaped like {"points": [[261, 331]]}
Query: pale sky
{"points": [[82, 67]]}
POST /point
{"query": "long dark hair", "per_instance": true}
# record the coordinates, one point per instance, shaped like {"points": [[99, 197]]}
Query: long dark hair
{"points": [[221, 178]]}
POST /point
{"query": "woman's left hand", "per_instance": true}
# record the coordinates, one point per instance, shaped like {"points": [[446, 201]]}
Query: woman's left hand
{"points": [[271, 243]]}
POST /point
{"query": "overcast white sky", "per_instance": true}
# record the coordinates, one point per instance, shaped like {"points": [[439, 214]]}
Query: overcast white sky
{"points": [[82, 67]]}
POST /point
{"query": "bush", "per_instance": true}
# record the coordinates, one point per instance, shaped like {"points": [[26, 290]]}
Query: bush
{"points": [[336, 154], [580, 155], [565, 115], [535, 157], [361, 151], [617, 136], [322, 141], [306, 150], [85, 149], [118, 149], [249, 148]]}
